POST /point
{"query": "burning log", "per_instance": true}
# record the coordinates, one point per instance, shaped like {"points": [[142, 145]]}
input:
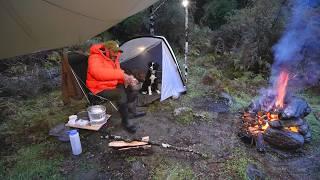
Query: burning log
{"points": [[293, 122], [284, 139], [260, 142], [296, 108], [275, 124]]}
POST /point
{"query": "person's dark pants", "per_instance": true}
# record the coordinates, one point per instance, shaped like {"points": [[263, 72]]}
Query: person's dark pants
{"points": [[123, 96]]}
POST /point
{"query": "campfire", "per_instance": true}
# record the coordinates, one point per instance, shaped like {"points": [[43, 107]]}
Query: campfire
{"points": [[276, 118]]}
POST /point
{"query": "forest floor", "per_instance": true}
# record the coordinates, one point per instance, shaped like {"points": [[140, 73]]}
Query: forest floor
{"points": [[28, 152]]}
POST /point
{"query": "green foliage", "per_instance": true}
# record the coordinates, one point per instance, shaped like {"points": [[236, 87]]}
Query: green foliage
{"points": [[249, 34], [169, 22], [216, 12], [132, 26], [54, 57]]}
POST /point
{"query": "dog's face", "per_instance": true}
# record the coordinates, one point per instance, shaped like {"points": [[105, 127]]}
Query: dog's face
{"points": [[153, 66]]}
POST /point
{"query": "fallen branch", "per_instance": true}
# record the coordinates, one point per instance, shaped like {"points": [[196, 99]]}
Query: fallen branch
{"points": [[136, 147], [163, 145]]}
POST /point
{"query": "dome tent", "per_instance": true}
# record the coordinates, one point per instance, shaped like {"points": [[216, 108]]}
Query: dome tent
{"points": [[138, 52]]}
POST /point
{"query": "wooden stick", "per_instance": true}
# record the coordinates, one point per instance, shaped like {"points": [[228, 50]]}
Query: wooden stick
{"points": [[163, 145], [135, 147], [119, 144]]}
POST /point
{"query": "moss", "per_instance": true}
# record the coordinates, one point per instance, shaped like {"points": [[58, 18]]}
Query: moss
{"points": [[30, 163], [170, 170], [130, 159], [185, 117], [237, 166], [157, 106]]}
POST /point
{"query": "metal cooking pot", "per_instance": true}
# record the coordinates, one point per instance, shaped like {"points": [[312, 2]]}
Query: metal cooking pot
{"points": [[97, 114]]}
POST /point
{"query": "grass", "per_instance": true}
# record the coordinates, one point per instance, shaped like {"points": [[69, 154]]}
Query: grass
{"points": [[25, 130], [237, 166], [167, 105], [241, 85], [314, 101], [185, 117], [34, 117], [30, 163], [170, 170]]}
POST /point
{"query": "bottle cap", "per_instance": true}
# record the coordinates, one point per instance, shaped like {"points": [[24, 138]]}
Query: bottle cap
{"points": [[72, 132]]}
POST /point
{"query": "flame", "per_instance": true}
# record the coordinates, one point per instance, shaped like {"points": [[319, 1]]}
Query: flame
{"points": [[264, 127], [281, 88]]}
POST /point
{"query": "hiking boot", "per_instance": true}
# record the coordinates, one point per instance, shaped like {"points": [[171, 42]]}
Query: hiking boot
{"points": [[133, 111], [128, 126], [137, 114]]}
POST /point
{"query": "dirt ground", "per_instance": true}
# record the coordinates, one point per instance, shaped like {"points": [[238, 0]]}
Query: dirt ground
{"points": [[228, 157], [211, 127]]}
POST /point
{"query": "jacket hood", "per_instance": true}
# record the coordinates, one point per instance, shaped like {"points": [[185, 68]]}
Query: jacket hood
{"points": [[97, 48]]}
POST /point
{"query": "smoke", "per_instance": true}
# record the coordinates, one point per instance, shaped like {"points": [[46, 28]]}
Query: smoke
{"points": [[298, 50]]}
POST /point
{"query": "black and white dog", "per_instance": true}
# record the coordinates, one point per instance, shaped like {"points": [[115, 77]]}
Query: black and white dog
{"points": [[150, 83]]}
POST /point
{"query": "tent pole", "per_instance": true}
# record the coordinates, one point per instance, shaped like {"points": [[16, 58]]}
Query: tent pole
{"points": [[186, 48]]}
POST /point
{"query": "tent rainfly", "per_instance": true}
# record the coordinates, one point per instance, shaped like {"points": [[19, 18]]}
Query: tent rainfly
{"points": [[138, 52], [35, 25]]}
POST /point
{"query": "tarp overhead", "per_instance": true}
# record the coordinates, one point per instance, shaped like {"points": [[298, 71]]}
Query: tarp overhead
{"points": [[34, 25]]}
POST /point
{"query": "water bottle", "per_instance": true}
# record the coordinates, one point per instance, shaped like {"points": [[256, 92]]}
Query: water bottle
{"points": [[75, 142]]}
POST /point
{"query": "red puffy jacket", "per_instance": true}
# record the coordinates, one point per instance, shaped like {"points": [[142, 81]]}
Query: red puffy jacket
{"points": [[103, 73]]}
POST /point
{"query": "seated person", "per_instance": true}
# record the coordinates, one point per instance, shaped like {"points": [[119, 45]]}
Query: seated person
{"points": [[105, 78]]}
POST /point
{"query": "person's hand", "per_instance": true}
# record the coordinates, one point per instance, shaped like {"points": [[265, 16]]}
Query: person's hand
{"points": [[133, 81], [130, 80], [126, 80]]}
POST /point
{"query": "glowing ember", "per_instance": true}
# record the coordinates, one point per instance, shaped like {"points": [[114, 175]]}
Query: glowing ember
{"points": [[293, 129], [281, 88], [272, 117]]}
